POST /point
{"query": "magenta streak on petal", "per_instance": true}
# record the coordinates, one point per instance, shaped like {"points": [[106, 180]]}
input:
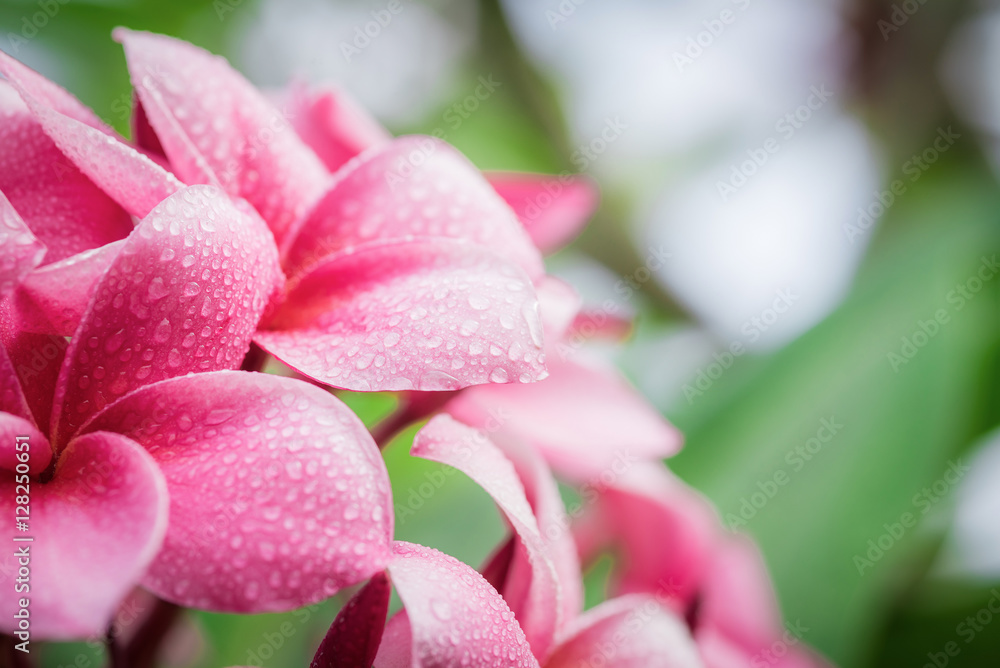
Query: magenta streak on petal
{"points": [[35, 359], [216, 127], [412, 186], [278, 495], [96, 526], [183, 295], [423, 314], [455, 616], [537, 605], [553, 209]]}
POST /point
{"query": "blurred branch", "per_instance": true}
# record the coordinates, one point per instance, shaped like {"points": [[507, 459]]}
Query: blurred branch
{"points": [[606, 238]]}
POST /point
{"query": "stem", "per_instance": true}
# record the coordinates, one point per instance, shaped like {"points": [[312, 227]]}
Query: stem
{"points": [[412, 407], [142, 650]]}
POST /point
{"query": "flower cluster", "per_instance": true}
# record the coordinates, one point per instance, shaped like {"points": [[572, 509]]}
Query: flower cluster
{"points": [[142, 283]]}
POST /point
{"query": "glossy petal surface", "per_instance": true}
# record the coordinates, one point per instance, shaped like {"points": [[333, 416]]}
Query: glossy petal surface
{"points": [[420, 314], [184, 294], [278, 495], [96, 526], [413, 186], [455, 617]]}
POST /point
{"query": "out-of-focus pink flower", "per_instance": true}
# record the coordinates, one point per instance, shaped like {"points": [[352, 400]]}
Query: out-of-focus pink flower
{"points": [[669, 542], [215, 489], [453, 616]]}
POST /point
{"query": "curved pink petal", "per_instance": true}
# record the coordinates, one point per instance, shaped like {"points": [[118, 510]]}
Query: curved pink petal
{"points": [[629, 632], [37, 452], [20, 250], [413, 186], [353, 639], [12, 399], [553, 209], [49, 93], [51, 300], [332, 123], [663, 531], [737, 598], [418, 314], [63, 208], [184, 294], [131, 178], [554, 525], [213, 125], [533, 594], [455, 617], [584, 419], [96, 526], [278, 495]]}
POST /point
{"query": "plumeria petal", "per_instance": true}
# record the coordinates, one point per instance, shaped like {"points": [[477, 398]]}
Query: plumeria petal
{"points": [[629, 632], [184, 294], [582, 418], [51, 300], [353, 639], [20, 250], [132, 179], [217, 128], [332, 123], [278, 495], [412, 186], [12, 399], [535, 596], [35, 359], [39, 454], [417, 314], [455, 617], [559, 304], [663, 531], [96, 526], [63, 208], [49, 93], [554, 525], [554, 209]]}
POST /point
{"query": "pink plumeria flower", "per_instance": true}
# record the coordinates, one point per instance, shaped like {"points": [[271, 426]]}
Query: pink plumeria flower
{"points": [[672, 545], [407, 270], [523, 610], [216, 489]]}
